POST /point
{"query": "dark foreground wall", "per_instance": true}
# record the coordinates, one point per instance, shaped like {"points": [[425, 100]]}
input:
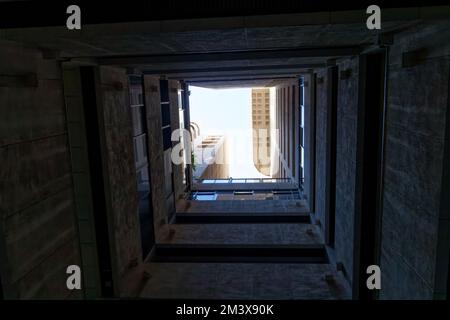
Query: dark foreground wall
{"points": [[413, 205], [38, 234]]}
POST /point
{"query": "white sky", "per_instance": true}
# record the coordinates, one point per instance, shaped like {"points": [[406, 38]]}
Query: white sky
{"points": [[227, 112]]}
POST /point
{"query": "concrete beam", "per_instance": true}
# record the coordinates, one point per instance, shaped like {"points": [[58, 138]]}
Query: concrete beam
{"points": [[218, 79], [236, 75], [231, 56], [233, 69]]}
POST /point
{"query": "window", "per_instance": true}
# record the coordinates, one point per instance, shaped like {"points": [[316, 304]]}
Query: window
{"points": [[141, 163], [204, 196]]}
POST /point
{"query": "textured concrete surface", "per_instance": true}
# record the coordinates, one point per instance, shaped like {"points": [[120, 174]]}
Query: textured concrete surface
{"points": [[321, 144], [417, 106], [155, 146], [241, 281], [120, 182], [270, 234], [347, 108], [242, 33], [37, 217], [247, 206], [84, 208], [286, 115], [175, 124]]}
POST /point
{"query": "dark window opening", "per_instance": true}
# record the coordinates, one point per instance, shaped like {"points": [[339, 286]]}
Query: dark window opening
{"points": [[370, 153], [301, 144], [140, 134], [97, 180], [331, 155]]}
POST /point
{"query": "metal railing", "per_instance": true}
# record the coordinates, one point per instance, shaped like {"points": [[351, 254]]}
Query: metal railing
{"points": [[245, 195], [246, 180]]}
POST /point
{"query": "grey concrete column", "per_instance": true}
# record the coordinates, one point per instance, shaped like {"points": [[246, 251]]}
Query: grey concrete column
{"points": [[155, 151], [121, 194], [177, 170]]}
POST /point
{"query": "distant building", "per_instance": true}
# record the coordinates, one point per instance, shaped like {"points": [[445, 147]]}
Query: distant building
{"points": [[261, 129], [210, 158]]}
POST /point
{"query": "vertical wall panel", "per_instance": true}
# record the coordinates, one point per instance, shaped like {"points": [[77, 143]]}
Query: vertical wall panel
{"points": [[39, 231]]}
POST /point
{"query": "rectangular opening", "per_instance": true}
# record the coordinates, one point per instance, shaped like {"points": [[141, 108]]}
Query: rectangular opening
{"points": [[301, 132], [225, 145], [220, 162], [94, 145], [204, 196]]}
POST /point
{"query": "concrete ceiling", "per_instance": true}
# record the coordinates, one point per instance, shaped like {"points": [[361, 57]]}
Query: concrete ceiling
{"points": [[252, 49], [112, 42]]}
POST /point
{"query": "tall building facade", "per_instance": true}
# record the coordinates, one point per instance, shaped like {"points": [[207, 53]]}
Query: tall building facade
{"points": [[288, 141], [211, 158], [261, 129]]}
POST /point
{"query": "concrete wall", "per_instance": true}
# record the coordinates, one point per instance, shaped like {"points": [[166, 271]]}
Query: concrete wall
{"points": [[415, 227], [415, 138], [177, 170], [37, 220], [287, 140], [321, 144], [347, 109], [119, 172], [155, 147], [346, 137], [309, 140]]}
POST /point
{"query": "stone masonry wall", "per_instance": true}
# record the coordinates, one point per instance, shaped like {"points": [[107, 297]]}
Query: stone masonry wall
{"points": [[155, 147], [37, 222], [175, 124], [120, 180]]}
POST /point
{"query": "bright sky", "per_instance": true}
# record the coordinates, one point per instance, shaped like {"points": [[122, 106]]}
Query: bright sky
{"points": [[227, 112]]}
